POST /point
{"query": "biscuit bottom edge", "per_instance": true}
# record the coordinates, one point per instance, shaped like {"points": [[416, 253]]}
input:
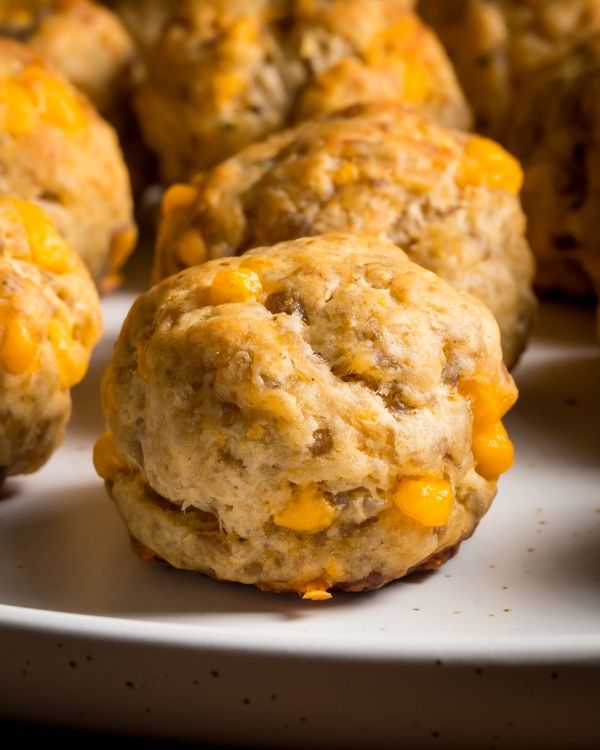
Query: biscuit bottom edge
{"points": [[286, 562]]}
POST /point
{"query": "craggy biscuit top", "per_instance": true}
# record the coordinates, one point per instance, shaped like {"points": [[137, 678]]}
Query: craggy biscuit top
{"points": [[385, 54], [49, 322], [448, 198], [322, 167], [309, 387], [57, 151], [222, 75]]}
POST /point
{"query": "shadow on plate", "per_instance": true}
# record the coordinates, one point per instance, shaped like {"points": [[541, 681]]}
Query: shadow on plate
{"points": [[8, 490], [558, 408], [573, 563], [69, 552], [564, 322]]}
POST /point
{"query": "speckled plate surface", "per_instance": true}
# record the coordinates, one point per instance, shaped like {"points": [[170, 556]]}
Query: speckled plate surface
{"points": [[499, 648]]}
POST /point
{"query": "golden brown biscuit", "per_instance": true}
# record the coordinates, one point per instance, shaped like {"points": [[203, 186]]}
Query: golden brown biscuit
{"points": [[497, 44], [320, 414], [221, 75], [49, 322], [92, 48], [86, 42], [531, 70], [447, 198], [143, 19], [556, 133], [57, 151]]}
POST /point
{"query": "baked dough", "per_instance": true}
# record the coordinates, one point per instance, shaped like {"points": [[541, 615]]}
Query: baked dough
{"points": [[221, 75], [85, 41], [57, 151], [320, 414], [49, 322], [448, 198], [92, 48], [531, 70], [556, 134], [143, 19], [496, 45]]}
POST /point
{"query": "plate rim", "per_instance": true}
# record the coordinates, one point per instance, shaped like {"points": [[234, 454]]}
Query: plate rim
{"points": [[529, 650]]}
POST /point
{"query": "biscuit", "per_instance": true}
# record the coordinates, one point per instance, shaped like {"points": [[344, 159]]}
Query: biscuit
{"points": [[83, 40], [556, 134], [143, 19], [92, 48], [57, 151], [49, 322], [322, 414], [447, 198], [221, 75], [496, 45]]}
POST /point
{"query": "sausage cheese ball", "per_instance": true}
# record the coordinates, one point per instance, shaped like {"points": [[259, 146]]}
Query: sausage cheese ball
{"points": [[222, 75], [57, 151], [49, 322], [556, 133], [320, 414], [447, 198], [143, 19], [86, 42], [497, 44]]}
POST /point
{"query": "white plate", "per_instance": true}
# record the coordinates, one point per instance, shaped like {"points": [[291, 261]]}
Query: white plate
{"points": [[499, 647]]}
